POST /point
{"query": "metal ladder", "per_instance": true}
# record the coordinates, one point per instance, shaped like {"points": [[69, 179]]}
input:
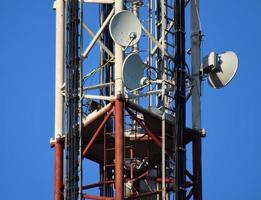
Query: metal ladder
{"points": [[73, 99]]}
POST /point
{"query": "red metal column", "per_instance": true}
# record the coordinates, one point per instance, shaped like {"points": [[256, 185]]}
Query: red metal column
{"points": [[197, 171], [58, 170], [119, 128]]}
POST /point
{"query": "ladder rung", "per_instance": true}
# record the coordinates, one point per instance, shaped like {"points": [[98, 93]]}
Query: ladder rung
{"points": [[110, 165], [110, 149], [170, 96], [170, 44], [168, 71], [169, 19], [169, 6], [169, 136], [158, 23], [172, 33], [170, 57]]}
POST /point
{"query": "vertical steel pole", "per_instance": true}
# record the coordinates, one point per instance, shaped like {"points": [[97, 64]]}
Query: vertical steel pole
{"points": [[118, 56], [119, 114], [150, 48], [135, 49], [195, 62], [163, 125], [157, 36], [80, 94], [135, 11], [58, 170], [180, 100], [59, 64], [59, 100], [101, 14], [196, 92], [119, 181], [197, 170], [72, 186]]}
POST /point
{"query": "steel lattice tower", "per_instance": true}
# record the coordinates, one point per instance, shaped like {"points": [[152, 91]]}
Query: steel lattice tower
{"points": [[138, 137]]}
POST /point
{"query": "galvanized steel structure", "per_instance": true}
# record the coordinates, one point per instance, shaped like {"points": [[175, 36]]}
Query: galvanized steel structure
{"points": [[137, 137]]}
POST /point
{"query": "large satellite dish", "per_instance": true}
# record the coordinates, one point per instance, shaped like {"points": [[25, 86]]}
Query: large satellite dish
{"points": [[132, 71], [125, 28], [225, 68]]}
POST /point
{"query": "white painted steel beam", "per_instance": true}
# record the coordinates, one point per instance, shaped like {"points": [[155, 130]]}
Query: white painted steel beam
{"points": [[59, 68], [103, 46], [158, 44], [96, 37], [118, 56], [99, 1], [107, 98], [195, 63], [153, 51]]}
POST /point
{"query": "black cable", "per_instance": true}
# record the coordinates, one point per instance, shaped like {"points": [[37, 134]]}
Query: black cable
{"points": [[149, 72]]}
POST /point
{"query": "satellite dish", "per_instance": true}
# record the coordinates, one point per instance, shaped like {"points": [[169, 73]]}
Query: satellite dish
{"points": [[132, 71], [224, 69], [125, 28]]}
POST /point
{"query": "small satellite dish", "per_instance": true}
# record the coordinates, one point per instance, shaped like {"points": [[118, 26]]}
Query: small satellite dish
{"points": [[223, 70], [125, 28], [132, 71]]}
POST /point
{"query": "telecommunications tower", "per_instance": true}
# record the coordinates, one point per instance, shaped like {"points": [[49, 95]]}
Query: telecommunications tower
{"points": [[121, 89]]}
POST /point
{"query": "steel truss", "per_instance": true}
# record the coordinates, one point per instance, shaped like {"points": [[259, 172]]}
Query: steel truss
{"points": [[137, 137]]}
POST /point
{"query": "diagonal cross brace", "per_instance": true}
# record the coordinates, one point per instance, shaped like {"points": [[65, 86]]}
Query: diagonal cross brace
{"points": [[154, 137], [97, 132]]}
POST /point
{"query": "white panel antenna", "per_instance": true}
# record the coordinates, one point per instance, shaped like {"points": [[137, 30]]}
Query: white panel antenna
{"points": [[125, 28], [132, 71]]}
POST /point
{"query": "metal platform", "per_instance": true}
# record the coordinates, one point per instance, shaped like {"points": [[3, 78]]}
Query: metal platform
{"points": [[144, 145]]}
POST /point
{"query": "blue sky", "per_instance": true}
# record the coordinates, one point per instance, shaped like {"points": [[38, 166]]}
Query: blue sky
{"points": [[231, 160]]}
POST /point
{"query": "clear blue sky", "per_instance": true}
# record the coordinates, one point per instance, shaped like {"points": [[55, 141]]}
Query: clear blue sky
{"points": [[231, 116]]}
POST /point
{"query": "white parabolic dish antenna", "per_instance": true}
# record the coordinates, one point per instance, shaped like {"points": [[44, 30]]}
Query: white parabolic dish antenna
{"points": [[227, 65], [132, 71], [125, 28]]}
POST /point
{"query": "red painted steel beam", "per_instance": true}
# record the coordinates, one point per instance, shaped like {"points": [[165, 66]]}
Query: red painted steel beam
{"points": [[93, 197], [101, 112], [86, 187], [154, 137], [190, 134], [58, 170], [119, 137], [145, 194], [168, 180], [197, 167], [97, 132], [140, 177], [93, 185]]}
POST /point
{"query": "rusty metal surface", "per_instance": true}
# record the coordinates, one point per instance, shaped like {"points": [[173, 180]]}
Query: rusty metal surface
{"points": [[141, 145], [93, 197], [58, 171], [119, 148], [97, 132]]}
